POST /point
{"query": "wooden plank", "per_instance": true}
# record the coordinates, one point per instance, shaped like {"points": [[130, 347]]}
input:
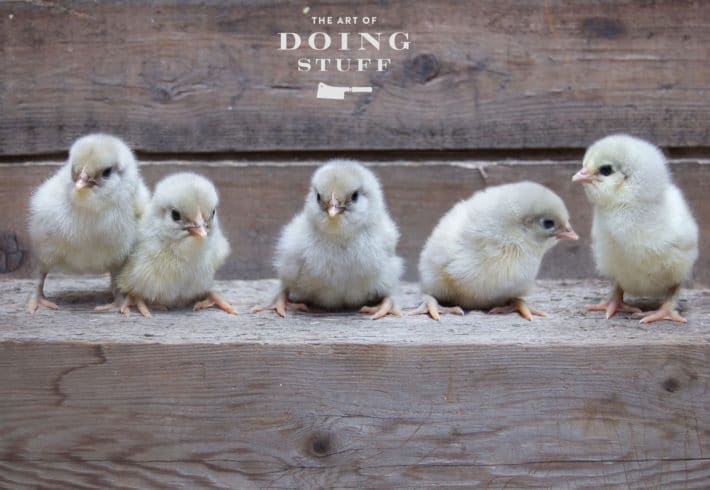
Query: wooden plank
{"points": [[225, 474], [567, 320], [258, 198], [207, 76], [336, 400]]}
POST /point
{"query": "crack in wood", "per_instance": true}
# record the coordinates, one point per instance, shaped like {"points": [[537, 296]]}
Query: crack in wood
{"points": [[99, 354]]}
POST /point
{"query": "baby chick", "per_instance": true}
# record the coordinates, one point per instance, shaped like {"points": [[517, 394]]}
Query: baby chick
{"points": [[644, 236], [84, 219], [339, 252], [486, 251], [179, 249]]}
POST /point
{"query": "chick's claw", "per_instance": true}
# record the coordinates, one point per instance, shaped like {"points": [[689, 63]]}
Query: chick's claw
{"points": [[142, 307], [139, 303], [280, 305], [614, 305], [432, 307], [385, 308], [214, 299], [517, 306], [125, 308], [663, 313], [36, 302], [115, 305]]}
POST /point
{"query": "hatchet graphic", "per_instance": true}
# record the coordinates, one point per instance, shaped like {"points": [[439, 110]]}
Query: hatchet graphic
{"points": [[326, 91]]}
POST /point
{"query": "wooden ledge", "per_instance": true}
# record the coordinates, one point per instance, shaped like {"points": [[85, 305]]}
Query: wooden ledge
{"points": [[208, 400], [567, 321]]}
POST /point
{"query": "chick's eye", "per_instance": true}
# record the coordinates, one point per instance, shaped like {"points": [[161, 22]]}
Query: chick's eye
{"points": [[354, 197], [606, 170], [317, 197], [547, 223], [107, 173], [175, 214], [213, 213]]}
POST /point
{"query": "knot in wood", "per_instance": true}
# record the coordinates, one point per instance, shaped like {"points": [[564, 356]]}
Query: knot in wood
{"points": [[671, 385], [603, 27], [422, 68], [10, 253], [319, 444]]}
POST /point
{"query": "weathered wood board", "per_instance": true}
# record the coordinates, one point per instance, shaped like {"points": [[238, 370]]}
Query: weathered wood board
{"points": [[258, 198], [200, 76], [208, 400]]}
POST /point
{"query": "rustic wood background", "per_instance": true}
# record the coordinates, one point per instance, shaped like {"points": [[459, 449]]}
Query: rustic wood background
{"points": [[491, 91], [518, 87], [258, 198], [206, 76]]}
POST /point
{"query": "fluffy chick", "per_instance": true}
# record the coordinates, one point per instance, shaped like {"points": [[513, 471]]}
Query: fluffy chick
{"points": [[486, 251], [84, 219], [179, 249], [644, 236], [339, 252]]}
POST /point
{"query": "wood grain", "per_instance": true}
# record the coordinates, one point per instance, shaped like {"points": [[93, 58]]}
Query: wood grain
{"points": [[336, 400], [258, 198], [207, 76], [224, 474]]}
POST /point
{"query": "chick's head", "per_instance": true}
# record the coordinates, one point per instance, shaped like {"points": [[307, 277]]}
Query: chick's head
{"points": [[621, 169], [535, 214], [344, 196], [185, 205], [100, 165]]}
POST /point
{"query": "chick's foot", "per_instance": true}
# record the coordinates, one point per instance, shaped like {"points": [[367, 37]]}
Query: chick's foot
{"points": [[280, 305], [614, 305], [37, 301], [517, 306], [665, 312], [214, 299], [432, 307], [385, 308]]}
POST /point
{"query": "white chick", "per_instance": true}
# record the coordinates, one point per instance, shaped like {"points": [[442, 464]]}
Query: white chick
{"points": [[179, 249], [84, 219], [339, 252], [486, 251], [644, 236]]}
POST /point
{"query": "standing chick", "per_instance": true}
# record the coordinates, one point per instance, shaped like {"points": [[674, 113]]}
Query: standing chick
{"points": [[486, 251], [339, 252], [180, 247], [644, 236], [84, 219]]}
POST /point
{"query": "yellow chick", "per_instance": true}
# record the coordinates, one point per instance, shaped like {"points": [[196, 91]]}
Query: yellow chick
{"points": [[179, 249], [486, 251], [644, 236], [84, 219], [339, 252]]}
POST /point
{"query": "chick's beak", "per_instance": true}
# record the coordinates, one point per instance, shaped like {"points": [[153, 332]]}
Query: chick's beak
{"points": [[84, 181], [583, 176], [199, 230], [334, 207], [566, 233]]}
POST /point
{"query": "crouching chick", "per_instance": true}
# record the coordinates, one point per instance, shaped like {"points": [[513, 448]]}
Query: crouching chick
{"points": [[180, 247], [486, 251]]}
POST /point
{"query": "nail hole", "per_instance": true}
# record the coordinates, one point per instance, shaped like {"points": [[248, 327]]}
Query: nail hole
{"points": [[319, 445], [671, 385]]}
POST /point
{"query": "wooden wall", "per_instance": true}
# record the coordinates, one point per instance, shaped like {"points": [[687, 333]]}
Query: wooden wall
{"points": [[194, 76], [491, 91], [518, 87], [257, 199]]}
